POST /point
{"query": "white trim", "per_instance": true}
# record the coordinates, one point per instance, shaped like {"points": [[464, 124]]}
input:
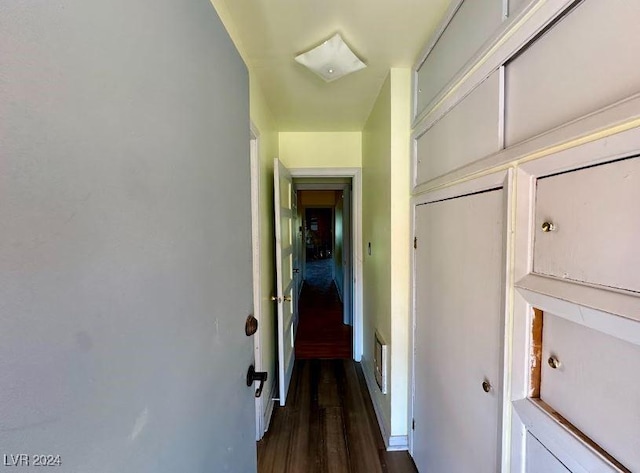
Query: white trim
{"points": [[507, 314], [575, 310], [397, 443], [458, 189], [391, 442], [356, 238], [412, 330], [520, 336], [271, 402], [575, 454], [606, 134], [502, 114], [256, 265]]}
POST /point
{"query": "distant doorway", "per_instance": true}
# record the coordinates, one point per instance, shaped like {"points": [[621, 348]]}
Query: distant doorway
{"points": [[324, 328]]}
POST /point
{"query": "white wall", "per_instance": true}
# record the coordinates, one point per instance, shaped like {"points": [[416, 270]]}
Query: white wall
{"points": [[386, 222], [123, 125], [321, 149]]}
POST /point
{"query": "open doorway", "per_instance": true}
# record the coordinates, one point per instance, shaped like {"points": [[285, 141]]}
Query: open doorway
{"points": [[324, 324]]}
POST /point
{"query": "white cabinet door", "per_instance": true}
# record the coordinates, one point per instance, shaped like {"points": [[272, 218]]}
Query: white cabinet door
{"points": [[458, 334], [596, 385], [541, 460], [473, 24], [468, 132], [587, 61], [596, 225]]}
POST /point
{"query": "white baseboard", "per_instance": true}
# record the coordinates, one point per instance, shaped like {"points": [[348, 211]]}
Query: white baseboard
{"points": [[391, 442], [268, 412], [398, 443]]}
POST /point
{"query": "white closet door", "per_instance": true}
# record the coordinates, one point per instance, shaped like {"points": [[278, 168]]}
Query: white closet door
{"points": [[458, 338]]}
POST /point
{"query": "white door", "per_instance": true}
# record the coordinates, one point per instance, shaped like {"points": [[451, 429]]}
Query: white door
{"points": [[459, 260], [286, 297]]}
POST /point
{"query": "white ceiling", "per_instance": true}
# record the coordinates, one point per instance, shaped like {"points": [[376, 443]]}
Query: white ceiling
{"points": [[270, 33]]}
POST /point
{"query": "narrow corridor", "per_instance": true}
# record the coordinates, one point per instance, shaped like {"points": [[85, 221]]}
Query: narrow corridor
{"points": [[328, 425], [321, 333]]}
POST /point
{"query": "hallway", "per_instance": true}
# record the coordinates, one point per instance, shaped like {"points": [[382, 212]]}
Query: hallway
{"points": [[321, 333], [328, 425]]}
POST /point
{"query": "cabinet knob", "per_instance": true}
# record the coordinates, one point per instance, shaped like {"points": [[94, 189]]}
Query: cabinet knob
{"points": [[553, 362], [486, 386], [548, 227]]}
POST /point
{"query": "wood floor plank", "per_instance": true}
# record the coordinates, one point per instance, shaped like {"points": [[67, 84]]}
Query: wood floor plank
{"points": [[299, 422], [327, 426], [328, 395], [360, 437], [335, 452]]}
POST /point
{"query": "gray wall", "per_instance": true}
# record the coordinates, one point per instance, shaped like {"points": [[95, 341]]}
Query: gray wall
{"points": [[125, 254]]}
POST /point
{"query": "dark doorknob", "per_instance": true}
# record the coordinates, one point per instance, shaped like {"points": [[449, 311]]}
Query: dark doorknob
{"points": [[251, 325], [253, 375]]}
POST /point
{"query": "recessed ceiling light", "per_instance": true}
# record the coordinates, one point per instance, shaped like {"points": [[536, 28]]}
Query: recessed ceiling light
{"points": [[331, 60]]}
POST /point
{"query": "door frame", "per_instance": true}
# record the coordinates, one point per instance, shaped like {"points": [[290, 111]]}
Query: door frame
{"points": [[356, 237], [256, 221]]}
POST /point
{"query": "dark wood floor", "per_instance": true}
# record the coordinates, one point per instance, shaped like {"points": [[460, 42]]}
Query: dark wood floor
{"points": [[321, 333], [327, 426]]}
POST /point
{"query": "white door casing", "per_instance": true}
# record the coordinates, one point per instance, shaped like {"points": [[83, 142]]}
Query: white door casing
{"points": [[356, 271], [285, 206]]}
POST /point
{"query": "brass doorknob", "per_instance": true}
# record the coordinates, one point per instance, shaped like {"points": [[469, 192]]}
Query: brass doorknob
{"points": [[548, 227], [554, 362], [276, 299], [486, 386]]}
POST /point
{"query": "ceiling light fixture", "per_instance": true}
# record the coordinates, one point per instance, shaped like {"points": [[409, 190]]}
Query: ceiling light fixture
{"points": [[331, 60]]}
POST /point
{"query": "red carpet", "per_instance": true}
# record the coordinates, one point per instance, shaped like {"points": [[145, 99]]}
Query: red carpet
{"points": [[321, 333]]}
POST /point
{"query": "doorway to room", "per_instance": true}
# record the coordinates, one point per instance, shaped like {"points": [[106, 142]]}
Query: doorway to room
{"points": [[325, 296]]}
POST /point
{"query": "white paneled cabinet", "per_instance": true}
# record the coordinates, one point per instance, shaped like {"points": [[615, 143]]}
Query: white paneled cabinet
{"points": [[587, 61], [588, 223], [474, 22], [571, 235], [459, 329], [477, 119]]}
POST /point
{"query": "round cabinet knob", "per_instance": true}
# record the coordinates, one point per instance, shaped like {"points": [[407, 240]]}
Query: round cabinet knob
{"points": [[553, 362], [548, 227], [486, 386]]}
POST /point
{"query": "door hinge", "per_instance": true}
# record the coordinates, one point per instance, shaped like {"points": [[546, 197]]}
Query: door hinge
{"points": [[415, 243], [413, 424]]}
